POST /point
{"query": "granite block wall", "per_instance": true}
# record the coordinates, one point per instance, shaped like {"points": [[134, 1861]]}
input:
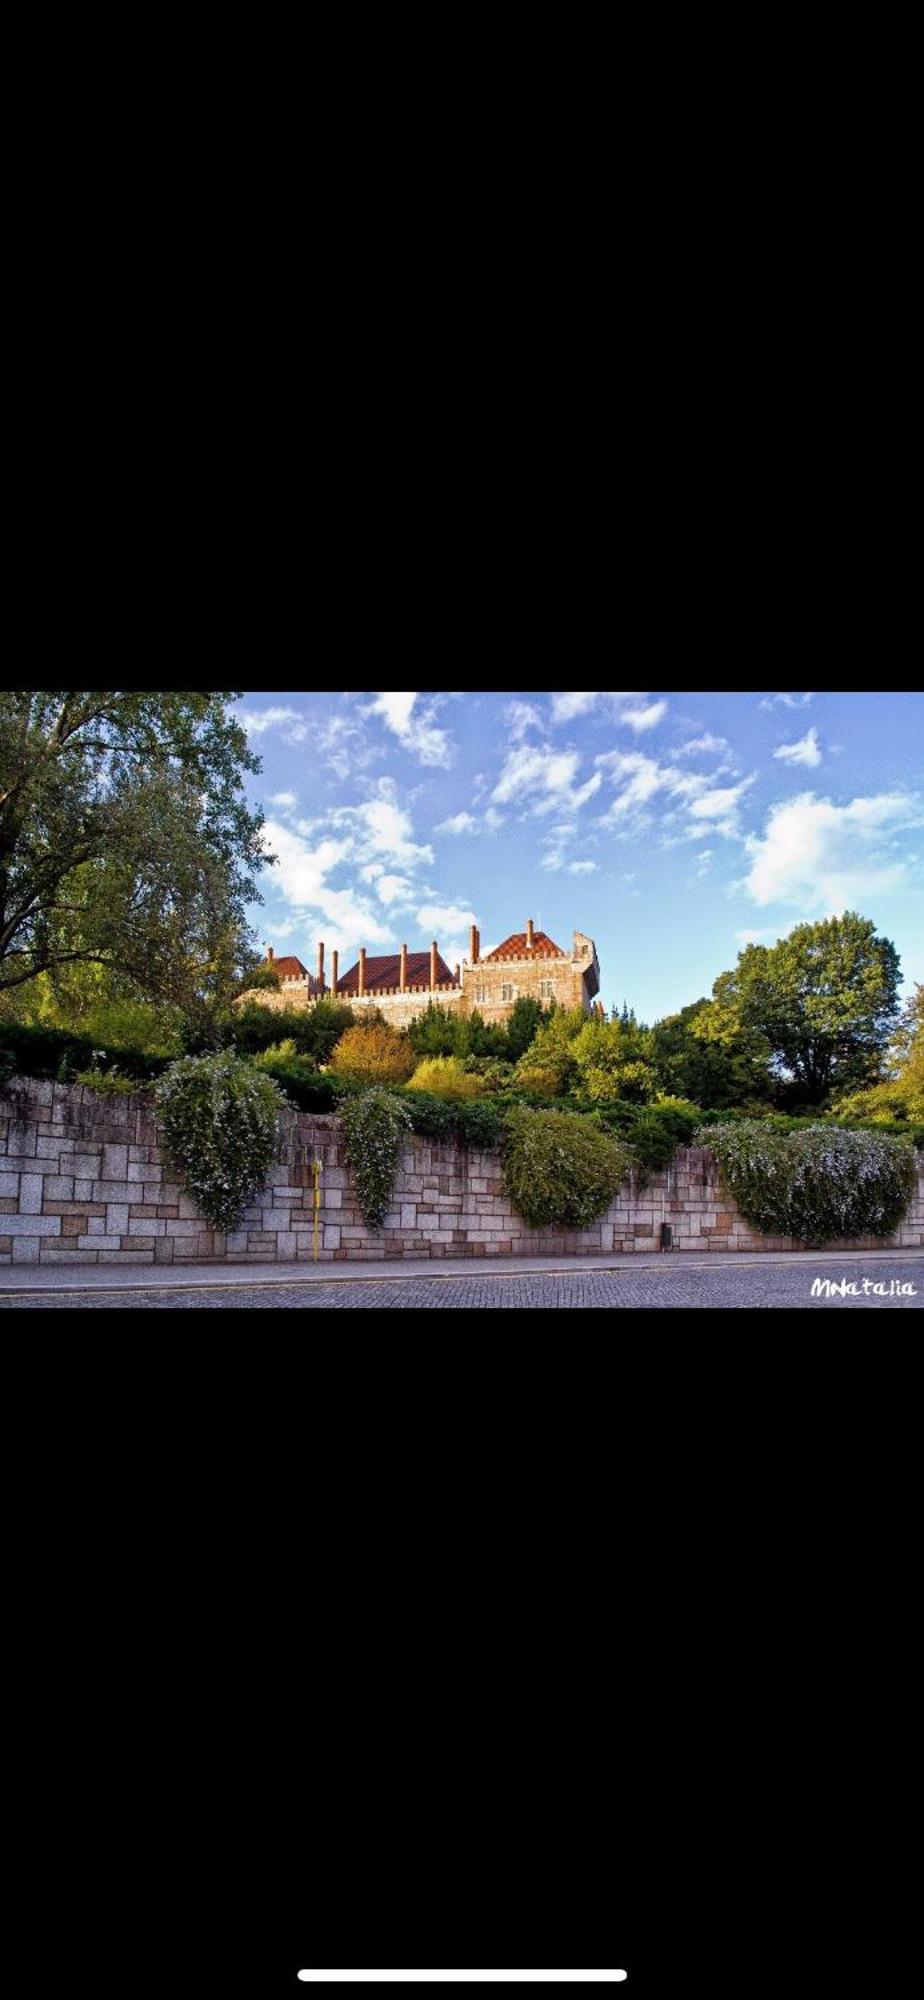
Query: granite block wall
{"points": [[82, 1180]]}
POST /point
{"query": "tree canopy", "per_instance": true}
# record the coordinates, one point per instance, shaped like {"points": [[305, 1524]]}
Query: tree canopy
{"points": [[825, 998], [126, 840]]}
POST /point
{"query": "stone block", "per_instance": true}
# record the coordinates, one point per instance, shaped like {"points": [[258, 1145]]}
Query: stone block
{"points": [[163, 1250], [9, 1185], [26, 1250], [117, 1217], [115, 1162], [286, 1245], [141, 1225], [31, 1225]]}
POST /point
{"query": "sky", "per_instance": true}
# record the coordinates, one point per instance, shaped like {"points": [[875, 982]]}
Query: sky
{"points": [[672, 828]]}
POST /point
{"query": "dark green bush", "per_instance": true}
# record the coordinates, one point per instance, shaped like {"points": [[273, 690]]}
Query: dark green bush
{"points": [[375, 1126], [55, 1052], [303, 1085], [816, 1182], [478, 1123], [560, 1169], [314, 1030]]}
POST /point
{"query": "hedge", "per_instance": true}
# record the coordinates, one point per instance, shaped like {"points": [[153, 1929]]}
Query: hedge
{"points": [[58, 1053]]}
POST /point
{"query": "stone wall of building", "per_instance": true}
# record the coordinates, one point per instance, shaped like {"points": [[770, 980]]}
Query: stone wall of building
{"points": [[82, 1181]]}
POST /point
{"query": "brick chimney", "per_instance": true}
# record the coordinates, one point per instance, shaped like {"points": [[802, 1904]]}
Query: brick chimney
{"points": [[404, 968], [457, 976], [529, 933], [321, 967], [335, 968], [269, 953], [473, 946], [362, 969], [433, 949]]}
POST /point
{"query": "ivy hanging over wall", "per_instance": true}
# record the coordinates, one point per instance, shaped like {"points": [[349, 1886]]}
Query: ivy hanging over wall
{"points": [[221, 1123], [815, 1184], [375, 1127]]}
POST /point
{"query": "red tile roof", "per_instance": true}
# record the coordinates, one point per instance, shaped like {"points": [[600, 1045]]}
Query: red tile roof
{"points": [[384, 973], [515, 947], [287, 968]]}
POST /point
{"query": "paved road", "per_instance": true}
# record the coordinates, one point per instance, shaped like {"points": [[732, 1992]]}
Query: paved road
{"points": [[749, 1285]]}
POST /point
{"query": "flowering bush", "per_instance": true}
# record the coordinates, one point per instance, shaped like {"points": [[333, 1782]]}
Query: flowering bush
{"points": [[375, 1127], [561, 1169], [814, 1184], [221, 1127]]}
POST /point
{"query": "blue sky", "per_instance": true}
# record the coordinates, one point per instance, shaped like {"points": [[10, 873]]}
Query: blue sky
{"points": [[673, 828]]}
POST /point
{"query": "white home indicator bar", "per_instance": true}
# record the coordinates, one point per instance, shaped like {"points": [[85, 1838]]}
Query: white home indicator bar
{"points": [[396, 1978]]}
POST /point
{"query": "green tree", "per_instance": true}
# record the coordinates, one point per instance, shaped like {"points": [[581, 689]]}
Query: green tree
{"points": [[126, 840], [523, 1023], [901, 1094], [704, 1055], [825, 999], [613, 1060]]}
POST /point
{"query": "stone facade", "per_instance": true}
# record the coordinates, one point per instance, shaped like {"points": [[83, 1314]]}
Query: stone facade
{"points": [[527, 965], [82, 1181]]}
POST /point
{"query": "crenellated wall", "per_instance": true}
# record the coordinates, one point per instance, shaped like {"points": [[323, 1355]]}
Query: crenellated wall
{"points": [[82, 1180]]}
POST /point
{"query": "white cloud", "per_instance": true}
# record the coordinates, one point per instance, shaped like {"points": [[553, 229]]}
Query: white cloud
{"points": [[384, 827], [806, 751], [566, 706], [493, 819], [436, 917], [393, 888], [414, 727], [546, 779], [787, 700], [758, 936], [581, 867], [830, 857], [644, 718], [707, 744], [257, 721], [521, 716], [285, 800], [640, 779], [461, 822]]}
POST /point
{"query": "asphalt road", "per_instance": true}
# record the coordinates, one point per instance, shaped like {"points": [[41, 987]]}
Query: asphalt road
{"points": [[748, 1286]]}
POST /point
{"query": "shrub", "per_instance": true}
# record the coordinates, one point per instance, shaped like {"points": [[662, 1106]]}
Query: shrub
{"points": [[445, 1076], [314, 1030], [375, 1127], [221, 1126], [537, 1081], [478, 1123], [375, 1054], [109, 1082], [815, 1183], [561, 1169], [57, 1053], [302, 1084]]}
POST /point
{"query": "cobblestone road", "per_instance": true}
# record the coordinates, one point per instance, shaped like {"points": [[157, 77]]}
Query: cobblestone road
{"points": [[760, 1286]]}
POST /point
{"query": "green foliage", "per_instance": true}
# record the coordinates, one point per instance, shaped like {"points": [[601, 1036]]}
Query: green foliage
{"points": [[522, 1026], [901, 1095], [611, 1060], [221, 1126], [815, 1184], [126, 840], [561, 1170], [263, 978], [705, 1055], [374, 1053], [445, 1076], [551, 1051], [653, 1131], [108, 1082], [375, 1126], [315, 1030], [478, 1124], [439, 1031], [53, 1052], [825, 1000]]}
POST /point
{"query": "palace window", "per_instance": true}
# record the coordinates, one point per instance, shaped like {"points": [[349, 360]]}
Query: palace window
{"points": [[508, 993], [481, 996], [546, 989]]}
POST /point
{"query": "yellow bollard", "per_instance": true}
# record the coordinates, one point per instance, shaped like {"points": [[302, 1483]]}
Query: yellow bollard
{"points": [[317, 1202]]}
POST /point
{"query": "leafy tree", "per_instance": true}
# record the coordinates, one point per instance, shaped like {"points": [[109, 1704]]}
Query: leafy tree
{"points": [[704, 1055], [901, 1095], [261, 979], [611, 1058], [825, 998], [550, 1055], [126, 840], [315, 1030], [524, 1021], [374, 1054], [438, 1031]]}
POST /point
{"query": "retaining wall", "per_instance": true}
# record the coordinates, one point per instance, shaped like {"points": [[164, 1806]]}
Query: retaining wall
{"points": [[82, 1180]]}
